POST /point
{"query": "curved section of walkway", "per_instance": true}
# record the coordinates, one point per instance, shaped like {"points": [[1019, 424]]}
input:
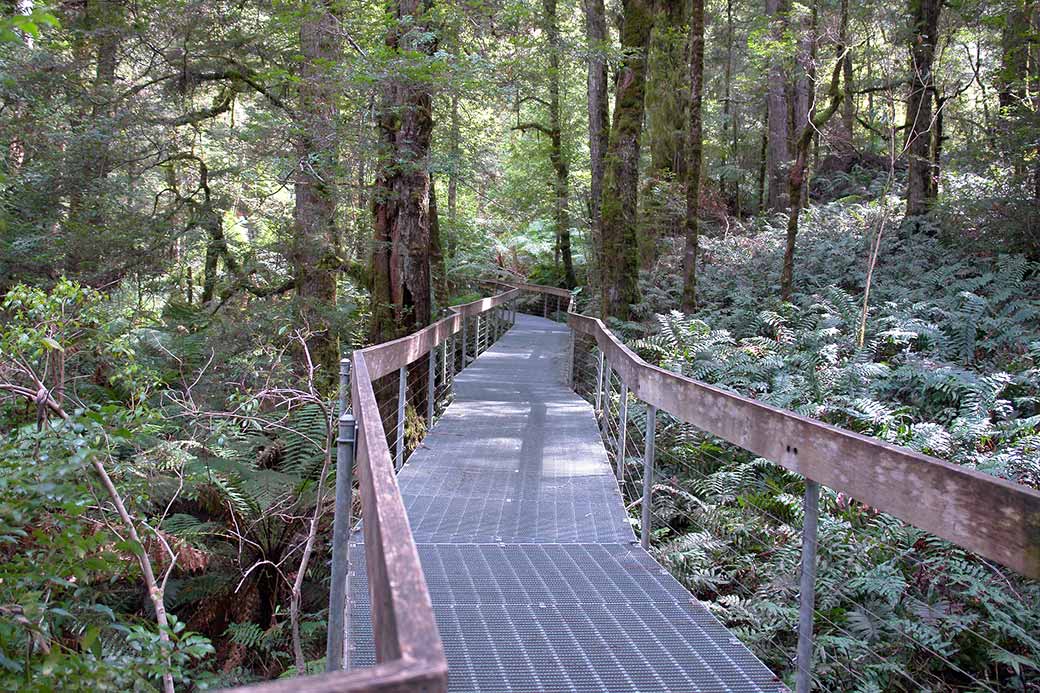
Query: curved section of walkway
{"points": [[537, 580]]}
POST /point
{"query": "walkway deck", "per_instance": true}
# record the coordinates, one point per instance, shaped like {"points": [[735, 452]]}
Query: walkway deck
{"points": [[537, 580]]}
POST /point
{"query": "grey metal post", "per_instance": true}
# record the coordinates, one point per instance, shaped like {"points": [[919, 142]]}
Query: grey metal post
{"points": [[463, 367], [431, 387], [803, 679], [337, 653], [344, 385], [402, 387], [570, 361], [557, 307], [622, 431], [476, 346], [444, 360], [545, 305], [648, 475], [599, 383]]}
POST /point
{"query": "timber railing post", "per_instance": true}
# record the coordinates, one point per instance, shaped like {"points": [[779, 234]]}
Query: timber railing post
{"points": [[402, 390], [337, 653], [806, 606], [648, 475], [431, 387], [622, 431]]}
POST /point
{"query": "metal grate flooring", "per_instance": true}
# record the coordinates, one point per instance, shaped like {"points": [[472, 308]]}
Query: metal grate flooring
{"points": [[535, 576]]}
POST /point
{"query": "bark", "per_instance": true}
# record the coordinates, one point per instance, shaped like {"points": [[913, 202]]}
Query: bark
{"points": [[796, 178], [557, 153], [665, 105], [924, 25], [596, 30], [728, 183], [313, 249], [778, 154], [620, 265], [763, 158], [936, 144], [694, 153], [848, 104], [400, 275]]}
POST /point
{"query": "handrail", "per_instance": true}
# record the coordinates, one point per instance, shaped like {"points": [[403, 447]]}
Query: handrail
{"points": [[993, 517], [408, 648]]}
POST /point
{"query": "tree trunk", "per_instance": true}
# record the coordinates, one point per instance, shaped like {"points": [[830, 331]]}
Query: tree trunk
{"points": [[557, 153], [695, 146], [729, 184], [596, 30], [665, 105], [401, 208], [314, 218], [797, 176], [778, 154], [924, 26], [848, 113], [620, 266]]}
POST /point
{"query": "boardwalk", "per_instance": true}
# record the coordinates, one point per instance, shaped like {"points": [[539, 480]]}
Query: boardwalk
{"points": [[537, 580]]}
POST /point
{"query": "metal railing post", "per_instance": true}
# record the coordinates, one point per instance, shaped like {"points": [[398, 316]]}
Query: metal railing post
{"points": [[599, 383], [622, 431], [572, 370], [337, 653], [557, 308], [648, 475], [464, 320], [545, 305], [431, 387], [476, 339], [803, 680], [402, 388]]}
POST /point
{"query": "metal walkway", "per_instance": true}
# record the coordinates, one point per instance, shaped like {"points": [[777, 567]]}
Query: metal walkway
{"points": [[537, 580]]}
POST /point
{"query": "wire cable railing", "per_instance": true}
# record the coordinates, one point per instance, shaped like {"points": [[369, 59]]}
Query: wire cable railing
{"points": [[994, 518]]}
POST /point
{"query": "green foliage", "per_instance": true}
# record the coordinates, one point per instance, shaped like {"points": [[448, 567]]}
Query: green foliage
{"points": [[948, 366]]}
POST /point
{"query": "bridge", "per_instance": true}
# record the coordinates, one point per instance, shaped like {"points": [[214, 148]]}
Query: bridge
{"points": [[497, 553]]}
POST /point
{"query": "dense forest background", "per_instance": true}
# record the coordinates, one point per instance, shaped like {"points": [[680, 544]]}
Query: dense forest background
{"points": [[831, 206]]}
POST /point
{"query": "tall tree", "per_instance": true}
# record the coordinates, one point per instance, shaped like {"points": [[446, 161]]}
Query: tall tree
{"points": [[924, 34], [599, 132], [315, 236], [620, 263], [778, 108], [666, 104], [400, 274], [557, 151], [695, 145], [796, 178]]}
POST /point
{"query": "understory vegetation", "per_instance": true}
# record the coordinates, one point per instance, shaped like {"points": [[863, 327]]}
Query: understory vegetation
{"points": [[947, 363]]}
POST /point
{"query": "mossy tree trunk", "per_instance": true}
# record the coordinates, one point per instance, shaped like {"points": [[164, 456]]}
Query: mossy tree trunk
{"points": [[313, 248], [620, 263], [599, 122], [400, 274], [924, 28], [695, 146]]}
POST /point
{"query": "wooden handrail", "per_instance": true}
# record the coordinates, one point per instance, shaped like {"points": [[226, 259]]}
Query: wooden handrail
{"points": [[409, 652], [993, 517]]}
